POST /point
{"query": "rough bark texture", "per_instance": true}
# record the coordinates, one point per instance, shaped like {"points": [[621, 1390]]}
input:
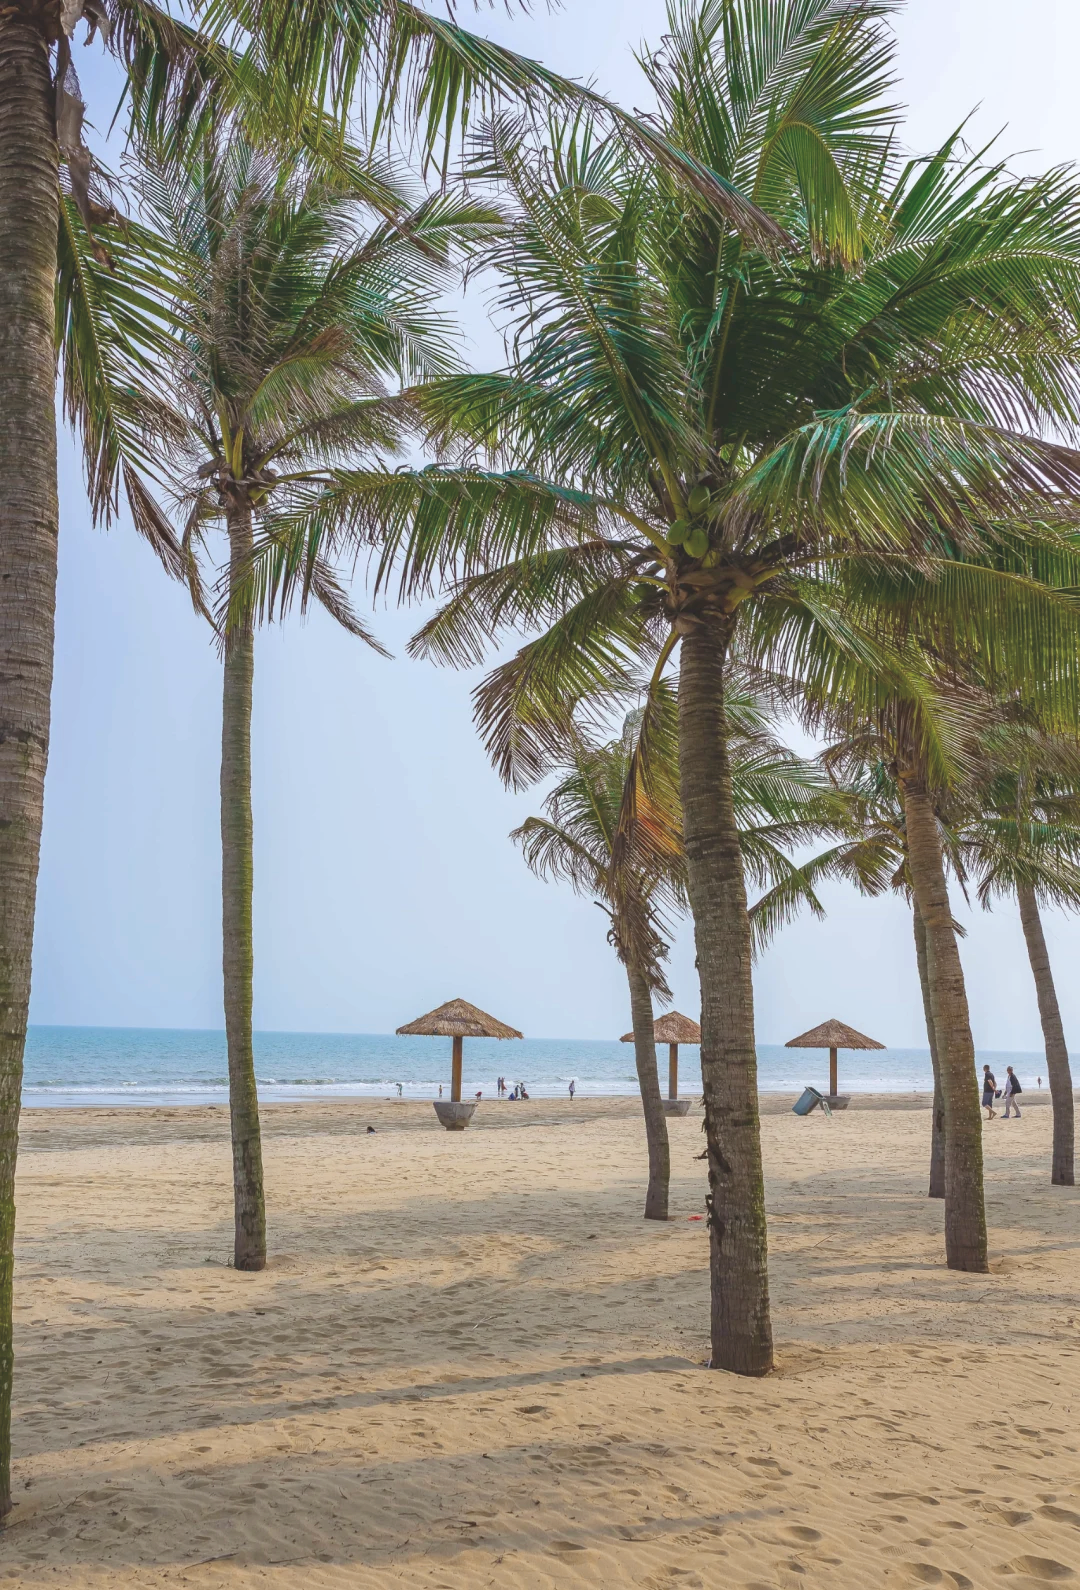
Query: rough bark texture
{"points": [[641, 1011], [738, 1242], [965, 1214], [1058, 1073], [937, 1129], [28, 532], [236, 889]]}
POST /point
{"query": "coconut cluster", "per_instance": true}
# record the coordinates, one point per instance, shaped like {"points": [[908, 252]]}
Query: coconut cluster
{"points": [[691, 534]]}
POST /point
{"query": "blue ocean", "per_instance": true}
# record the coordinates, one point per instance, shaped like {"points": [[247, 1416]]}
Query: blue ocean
{"points": [[133, 1065]]}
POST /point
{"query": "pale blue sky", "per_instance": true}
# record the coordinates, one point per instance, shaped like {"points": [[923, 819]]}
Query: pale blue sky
{"points": [[385, 882]]}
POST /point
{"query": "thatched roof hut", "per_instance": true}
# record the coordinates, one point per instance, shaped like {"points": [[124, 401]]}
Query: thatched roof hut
{"points": [[833, 1035], [672, 1028], [457, 1019]]}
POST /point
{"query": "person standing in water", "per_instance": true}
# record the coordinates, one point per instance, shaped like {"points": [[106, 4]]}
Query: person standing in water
{"points": [[1012, 1092], [989, 1085]]}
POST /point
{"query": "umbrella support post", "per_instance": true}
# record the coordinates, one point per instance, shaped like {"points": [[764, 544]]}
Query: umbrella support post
{"points": [[833, 1087], [455, 1073], [673, 1105]]}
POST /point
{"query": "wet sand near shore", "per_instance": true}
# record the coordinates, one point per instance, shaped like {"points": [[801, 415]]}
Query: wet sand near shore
{"points": [[53, 1128], [471, 1363]]}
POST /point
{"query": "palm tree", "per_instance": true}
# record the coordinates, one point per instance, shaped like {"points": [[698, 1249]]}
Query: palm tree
{"points": [[1021, 836], [1011, 828], [288, 316], [575, 840], [757, 461], [876, 860], [104, 333], [618, 838]]}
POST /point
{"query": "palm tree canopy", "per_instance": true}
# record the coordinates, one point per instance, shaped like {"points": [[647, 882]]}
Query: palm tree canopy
{"points": [[293, 318], [1019, 815], [821, 449], [602, 796]]}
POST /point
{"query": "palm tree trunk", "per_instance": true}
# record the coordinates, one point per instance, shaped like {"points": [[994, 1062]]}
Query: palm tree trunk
{"points": [[965, 1213], [237, 866], [641, 1010], [738, 1239], [1057, 1055], [28, 533], [937, 1129]]}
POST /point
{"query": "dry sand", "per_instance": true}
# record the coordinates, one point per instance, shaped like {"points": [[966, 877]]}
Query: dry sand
{"points": [[471, 1363]]}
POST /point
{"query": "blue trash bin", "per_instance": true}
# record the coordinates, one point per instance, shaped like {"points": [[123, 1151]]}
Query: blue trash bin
{"points": [[810, 1100]]}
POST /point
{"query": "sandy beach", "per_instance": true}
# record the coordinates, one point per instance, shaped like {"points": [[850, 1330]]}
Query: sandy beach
{"points": [[471, 1363]]}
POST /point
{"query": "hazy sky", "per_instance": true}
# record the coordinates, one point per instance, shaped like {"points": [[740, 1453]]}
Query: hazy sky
{"points": [[385, 882]]}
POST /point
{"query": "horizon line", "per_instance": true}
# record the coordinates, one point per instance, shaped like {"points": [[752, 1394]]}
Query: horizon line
{"points": [[336, 1032]]}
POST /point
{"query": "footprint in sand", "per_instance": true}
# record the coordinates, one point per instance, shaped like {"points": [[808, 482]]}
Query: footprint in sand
{"points": [[802, 1532], [770, 1464], [1044, 1569], [1060, 1515], [926, 1573]]}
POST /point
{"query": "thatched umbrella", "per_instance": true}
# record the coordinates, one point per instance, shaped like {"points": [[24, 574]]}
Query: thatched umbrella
{"points": [[833, 1035], [457, 1019], [672, 1029]]}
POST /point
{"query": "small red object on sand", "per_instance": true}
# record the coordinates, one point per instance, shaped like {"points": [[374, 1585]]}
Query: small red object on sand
{"points": [[695, 1217]]}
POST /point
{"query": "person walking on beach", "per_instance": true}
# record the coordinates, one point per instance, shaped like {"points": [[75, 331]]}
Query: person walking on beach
{"points": [[573, 1085], [398, 1086], [989, 1085], [1012, 1089]]}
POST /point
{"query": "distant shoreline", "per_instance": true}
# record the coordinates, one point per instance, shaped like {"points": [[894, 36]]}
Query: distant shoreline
{"points": [[386, 1113], [116, 1099]]}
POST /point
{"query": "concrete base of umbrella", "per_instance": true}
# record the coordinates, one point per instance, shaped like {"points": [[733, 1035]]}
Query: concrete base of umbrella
{"points": [[676, 1106], [457, 1019], [834, 1035], [454, 1114]]}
